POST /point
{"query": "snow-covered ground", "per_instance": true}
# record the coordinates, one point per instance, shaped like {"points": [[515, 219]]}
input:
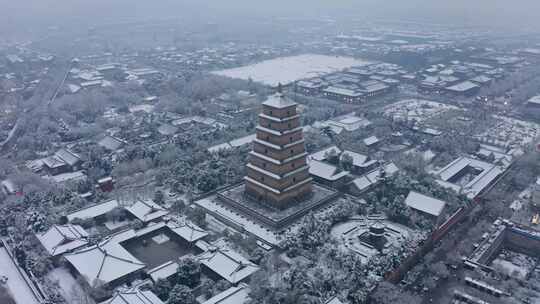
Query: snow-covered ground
{"points": [[510, 132], [20, 291], [70, 289], [289, 69]]}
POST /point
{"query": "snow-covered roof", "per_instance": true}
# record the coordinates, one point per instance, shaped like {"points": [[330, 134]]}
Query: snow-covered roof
{"points": [[371, 140], [279, 101], [226, 262], [321, 155], [104, 262], [242, 140], [362, 183], [342, 91], [167, 130], [220, 147], [134, 296], [63, 238], [325, 171], [463, 86], [188, 231], [111, 143], [373, 177], [234, 295], [53, 162], [146, 210], [68, 156], [68, 177], [487, 173], [358, 159], [481, 79], [534, 100], [163, 271], [94, 210], [424, 203]]}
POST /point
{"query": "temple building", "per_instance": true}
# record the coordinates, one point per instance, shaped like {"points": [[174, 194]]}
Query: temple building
{"points": [[277, 172], [278, 189]]}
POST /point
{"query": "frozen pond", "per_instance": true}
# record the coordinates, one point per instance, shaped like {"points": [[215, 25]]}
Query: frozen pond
{"points": [[289, 69]]}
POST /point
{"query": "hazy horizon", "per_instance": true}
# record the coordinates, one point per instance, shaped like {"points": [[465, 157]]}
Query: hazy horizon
{"points": [[30, 14]]}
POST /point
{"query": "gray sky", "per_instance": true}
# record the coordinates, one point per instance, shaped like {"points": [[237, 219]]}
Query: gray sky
{"points": [[486, 12]]}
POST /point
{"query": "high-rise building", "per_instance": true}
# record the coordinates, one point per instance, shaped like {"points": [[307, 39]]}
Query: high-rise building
{"points": [[277, 172]]}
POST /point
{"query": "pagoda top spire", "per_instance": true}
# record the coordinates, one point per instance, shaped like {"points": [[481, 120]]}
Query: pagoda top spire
{"points": [[279, 100]]}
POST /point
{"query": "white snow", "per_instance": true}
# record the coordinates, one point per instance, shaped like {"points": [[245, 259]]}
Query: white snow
{"points": [[146, 210], [511, 268], [62, 238], [416, 109], [160, 239], [234, 295], [211, 204], [225, 262], [289, 69], [142, 108], [94, 210], [70, 289], [21, 292]]}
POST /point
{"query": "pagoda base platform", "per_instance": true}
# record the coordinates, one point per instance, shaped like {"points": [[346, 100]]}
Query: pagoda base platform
{"points": [[235, 197]]}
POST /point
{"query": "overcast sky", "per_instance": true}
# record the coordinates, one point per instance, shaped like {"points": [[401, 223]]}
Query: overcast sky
{"points": [[486, 12]]}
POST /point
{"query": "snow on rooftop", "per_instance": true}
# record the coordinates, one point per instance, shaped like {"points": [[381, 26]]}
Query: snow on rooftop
{"points": [[94, 210], [134, 296], [534, 100], [425, 203], [279, 101], [146, 210], [69, 157], [220, 147], [342, 91], [111, 143], [286, 70], [321, 155], [226, 262], [142, 108], [325, 171], [163, 271], [371, 140], [463, 86], [362, 183], [243, 140], [68, 176], [234, 295], [358, 159], [212, 204], [62, 238], [104, 262], [487, 174]]}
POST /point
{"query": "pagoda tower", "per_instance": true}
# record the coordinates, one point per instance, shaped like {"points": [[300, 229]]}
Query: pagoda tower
{"points": [[277, 171]]}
